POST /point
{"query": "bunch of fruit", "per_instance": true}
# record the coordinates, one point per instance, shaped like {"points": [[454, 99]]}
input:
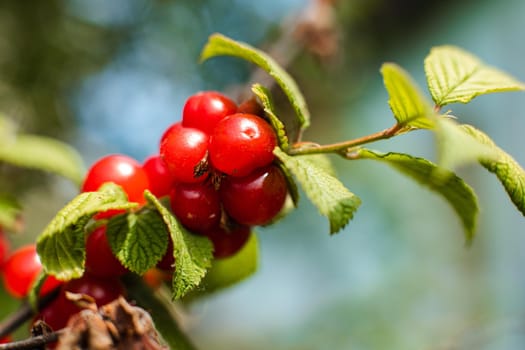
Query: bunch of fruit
{"points": [[216, 167]]}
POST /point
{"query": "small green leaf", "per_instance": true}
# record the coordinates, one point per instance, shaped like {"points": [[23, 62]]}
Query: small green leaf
{"points": [[138, 240], [454, 75], [456, 147], [10, 211], [219, 45], [61, 246], [266, 99], [229, 271], [193, 254], [508, 171], [458, 194], [408, 104], [42, 153], [326, 192]]}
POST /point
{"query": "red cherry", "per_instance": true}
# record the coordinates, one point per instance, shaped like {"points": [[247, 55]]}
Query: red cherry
{"points": [[4, 247], [241, 143], [167, 261], [254, 199], [21, 270], [58, 312], [123, 171], [227, 243], [197, 206], [204, 110], [160, 179], [100, 260], [184, 150]]}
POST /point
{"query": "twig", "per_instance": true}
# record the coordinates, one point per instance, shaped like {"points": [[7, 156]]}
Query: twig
{"points": [[24, 313], [34, 343]]}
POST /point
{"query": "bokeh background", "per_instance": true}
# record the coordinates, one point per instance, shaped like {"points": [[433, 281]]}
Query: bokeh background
{"points": [[110, 76]]}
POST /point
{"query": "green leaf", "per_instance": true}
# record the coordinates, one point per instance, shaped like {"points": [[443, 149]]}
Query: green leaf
{"points": [[161, 311], [42, 153], [219, 45], [458, 194], [138, 240], [10, 211], [61, 246], [266, 99], [454, 75], [457, 147], [508, 171], [193, 254], [408, 104], [229, 271], [326, 192]]}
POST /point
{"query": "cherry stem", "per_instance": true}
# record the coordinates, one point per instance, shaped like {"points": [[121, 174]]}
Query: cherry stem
{"points": [[342, 148], [34, 343], [23, 314]]}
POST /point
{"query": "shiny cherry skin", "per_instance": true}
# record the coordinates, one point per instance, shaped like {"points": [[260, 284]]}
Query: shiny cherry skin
{"points": [[241, 143], [197, 206], [122, 170], [20, 271], [184, 150], [160, 179], [254, 199], [227, 243], [100, 260], [205, 109]]}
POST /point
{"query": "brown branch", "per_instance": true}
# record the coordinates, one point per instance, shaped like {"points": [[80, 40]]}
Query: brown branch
{"points": [[24, 313], [34, 343]]}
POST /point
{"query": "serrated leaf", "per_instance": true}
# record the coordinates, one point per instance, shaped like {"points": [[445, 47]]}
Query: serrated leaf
{"points": [[265, 97], [138, 240], [508, 171], [61, 246], [326, 192], [193, 254], [10, 211], [459, 194], [219, 45], [42, 153], [456, 147], [455, 75], [408, 104], [229, 271]]}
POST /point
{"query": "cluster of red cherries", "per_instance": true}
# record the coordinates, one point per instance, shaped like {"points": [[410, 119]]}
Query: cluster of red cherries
{"points": [[218, 169]]}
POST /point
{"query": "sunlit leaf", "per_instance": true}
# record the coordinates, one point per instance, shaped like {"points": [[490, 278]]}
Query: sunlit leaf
{"points": [[220, 45], [457, 193], [408, 104], [61, 246], [455, 75], [138, 240], [193, 253], [326, 192], [508, 171]]}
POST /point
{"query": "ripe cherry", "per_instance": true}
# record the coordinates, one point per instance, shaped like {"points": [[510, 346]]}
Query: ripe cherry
{"points": [[228, 242], [254, 199], [197, 206], [241, 143], [167, 261], [100, 260], [204, 110], [184, 150], [21, 270], [58, 312], [123, 171], [160, 179], [4, 247]]}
